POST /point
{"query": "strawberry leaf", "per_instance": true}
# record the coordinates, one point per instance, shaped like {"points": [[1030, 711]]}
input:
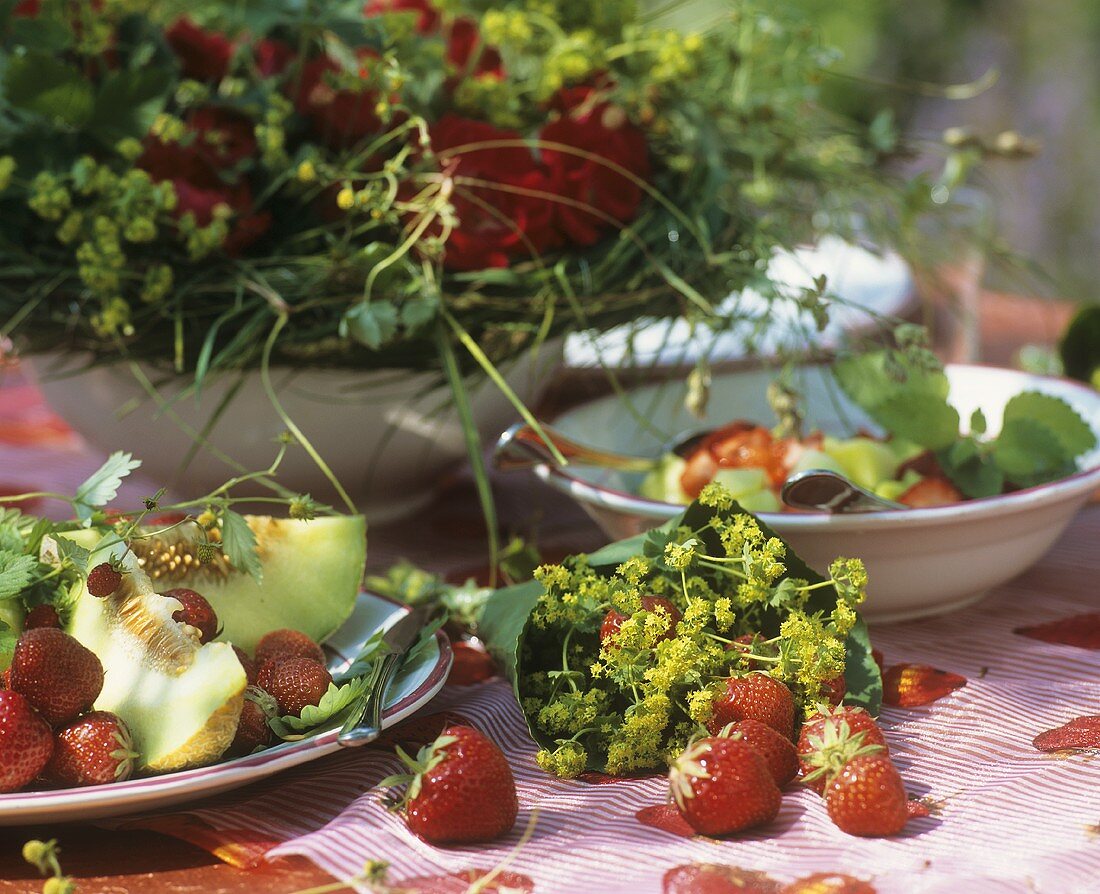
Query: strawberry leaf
{"points": [[70, 551], [333, 703], [922, 417], [1060, 419], [1029, 453], [8, 638], [239, 543], [102, 485], [16, 572]]}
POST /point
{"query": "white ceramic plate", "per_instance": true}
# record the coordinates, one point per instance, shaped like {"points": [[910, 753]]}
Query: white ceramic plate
{"points": [[414, 686], [867, 286], [919, 561]]}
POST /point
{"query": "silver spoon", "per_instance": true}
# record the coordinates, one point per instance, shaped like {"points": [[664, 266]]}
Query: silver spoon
{"points": [[521, 448], [825, 491]]}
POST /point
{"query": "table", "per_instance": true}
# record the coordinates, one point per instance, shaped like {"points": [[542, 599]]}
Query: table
{"points": [[108, 862]]}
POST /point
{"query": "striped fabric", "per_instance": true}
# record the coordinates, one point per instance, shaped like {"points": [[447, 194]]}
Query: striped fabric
{"points": [[1010, 818]]}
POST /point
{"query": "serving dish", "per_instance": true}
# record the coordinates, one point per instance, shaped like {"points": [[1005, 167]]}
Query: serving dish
{"points": [[920, 561], [414, 686]]}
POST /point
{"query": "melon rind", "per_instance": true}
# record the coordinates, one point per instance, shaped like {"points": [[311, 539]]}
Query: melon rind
{"points": [[181, 700]]}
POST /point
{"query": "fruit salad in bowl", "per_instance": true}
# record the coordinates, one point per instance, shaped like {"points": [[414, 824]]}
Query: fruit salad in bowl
{"points": [[994, 463]]}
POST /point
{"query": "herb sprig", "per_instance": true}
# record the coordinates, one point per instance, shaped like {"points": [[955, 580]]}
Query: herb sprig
{"points": [[1040, 438]]}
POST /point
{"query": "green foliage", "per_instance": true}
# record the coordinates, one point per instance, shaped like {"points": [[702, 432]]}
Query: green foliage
{"points": [[1080, 345], [239, 544], [102, 485], [1040, 439], [335, 701]]}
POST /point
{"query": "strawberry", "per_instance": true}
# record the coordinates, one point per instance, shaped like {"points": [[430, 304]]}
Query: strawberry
{"points": [[778, 752], [912, 685], [196, 612], [247, 663], [754, 696], [103, 580], [59, 676], [94, 749], [294, 683], [26, 742], [828, 883], [287, 643], [42, 616], [699, 471], [252, 729], [715, 878], [459, 789], [867, 797], [834, 689], [755, 643], [613, 620], [828, 739], [722, 786], [929, 492]]}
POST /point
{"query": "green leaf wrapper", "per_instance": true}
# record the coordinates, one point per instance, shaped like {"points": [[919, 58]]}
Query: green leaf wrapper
{"points": [[505, 621]]}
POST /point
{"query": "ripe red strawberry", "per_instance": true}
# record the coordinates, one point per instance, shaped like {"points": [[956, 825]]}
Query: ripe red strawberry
{"points": [[830, 739], [613, 620], [252, 729], [460, 789], [867, 797], [247, 663], [287, 643], [92, 750], [755, 696], [935, 491], [26, 742], [723, 786], [294, 683], [714, 878], [834, 689], [42, 616], [196, 611], [59, 676], [912, 685], [103, 580], [778, 752]]}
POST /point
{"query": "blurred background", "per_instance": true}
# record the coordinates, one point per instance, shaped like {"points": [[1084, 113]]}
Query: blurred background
{"points": [[1041, 60], [1047, 88]]}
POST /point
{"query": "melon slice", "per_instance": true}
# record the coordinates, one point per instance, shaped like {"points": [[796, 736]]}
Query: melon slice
{"points": [[181, 700], [311, 575]]}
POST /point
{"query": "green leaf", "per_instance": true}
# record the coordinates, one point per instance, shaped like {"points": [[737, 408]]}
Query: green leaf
{"points": [[920, 417], [1029, 453], [336, 700], [75, 554], [371, 322], [16, 572], [869, 379], [971, 469], [1057, 416], [239, 544], [8, 639], [40, 82], [978, 424], [418, 313], [10, 538], [1080, 347], [128, 102], [102, 485]]}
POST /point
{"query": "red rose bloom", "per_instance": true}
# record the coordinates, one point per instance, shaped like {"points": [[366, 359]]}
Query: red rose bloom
{"points": [[203, 55], [497, 220], [199, 190], [223, 138], [602, 131], [427, 16], [340, 118], [272, 56]]}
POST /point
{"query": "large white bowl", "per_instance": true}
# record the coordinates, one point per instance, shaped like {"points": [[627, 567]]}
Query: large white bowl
{"points": [[919, 561], [388, 436]]}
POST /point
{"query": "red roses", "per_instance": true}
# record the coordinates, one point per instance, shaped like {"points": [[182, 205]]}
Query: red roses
{"points": [[512, 204]]}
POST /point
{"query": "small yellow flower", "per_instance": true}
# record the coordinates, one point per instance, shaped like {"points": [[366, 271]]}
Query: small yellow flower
{"points": [[307, 172], [345, 199]]}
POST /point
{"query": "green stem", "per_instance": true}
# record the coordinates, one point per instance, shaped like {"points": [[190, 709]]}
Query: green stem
{"points": [[269, 389]]}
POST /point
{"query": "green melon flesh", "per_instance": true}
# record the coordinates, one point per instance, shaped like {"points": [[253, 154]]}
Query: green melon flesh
{"points": [[181, 700], [311, 576]]}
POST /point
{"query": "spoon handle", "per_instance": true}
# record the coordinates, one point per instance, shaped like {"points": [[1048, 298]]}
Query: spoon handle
{"points": [[824, 491], [521, 448]]}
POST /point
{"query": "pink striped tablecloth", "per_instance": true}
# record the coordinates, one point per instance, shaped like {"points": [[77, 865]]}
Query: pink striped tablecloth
{"points": [[1006, 817]]}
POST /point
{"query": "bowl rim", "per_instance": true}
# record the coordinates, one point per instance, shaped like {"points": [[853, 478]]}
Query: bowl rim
{"points": [[1079, 483]]}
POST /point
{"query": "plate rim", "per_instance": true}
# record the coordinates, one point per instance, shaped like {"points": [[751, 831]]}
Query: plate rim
{"points": [[253, 767]]}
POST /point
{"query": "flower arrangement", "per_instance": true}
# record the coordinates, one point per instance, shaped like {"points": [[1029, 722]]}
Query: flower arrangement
{"points": [[210, 188]]}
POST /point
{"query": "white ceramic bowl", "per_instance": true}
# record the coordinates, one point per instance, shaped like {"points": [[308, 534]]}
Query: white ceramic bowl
{"points": [[389, 436], [919, 561]]}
